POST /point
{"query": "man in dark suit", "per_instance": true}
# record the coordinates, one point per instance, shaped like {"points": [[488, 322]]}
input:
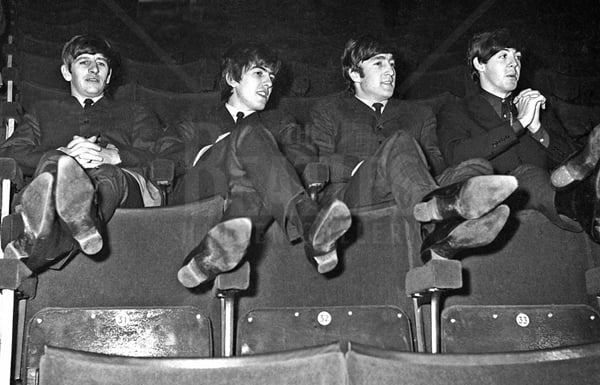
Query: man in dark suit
{"points": [[236, 151], [86, 155], [520, 135], [382, 149]]}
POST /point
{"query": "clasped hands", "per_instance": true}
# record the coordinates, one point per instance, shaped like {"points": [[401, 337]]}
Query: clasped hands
{"points": [[528, 104], [89, 154]]}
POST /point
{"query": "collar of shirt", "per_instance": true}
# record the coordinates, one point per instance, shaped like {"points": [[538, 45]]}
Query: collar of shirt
{"points": [[496, 101], [370, 103], [82, 100], [233, 112]]}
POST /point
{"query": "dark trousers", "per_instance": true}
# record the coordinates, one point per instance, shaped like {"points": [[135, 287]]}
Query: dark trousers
{"points": [[398, 172], [249, 170], [536, 192], [114, 187]]}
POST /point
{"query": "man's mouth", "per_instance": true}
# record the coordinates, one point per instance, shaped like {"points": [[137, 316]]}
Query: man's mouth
{"points": [[263, 93]]}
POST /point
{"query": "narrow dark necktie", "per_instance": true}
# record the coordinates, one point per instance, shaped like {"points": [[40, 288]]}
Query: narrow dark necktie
{"points": [[507, 110], [378, 107], [239, 116], [87, 103]]}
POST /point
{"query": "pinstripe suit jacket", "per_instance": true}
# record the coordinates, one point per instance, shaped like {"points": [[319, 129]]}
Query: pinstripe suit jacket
{"points": [[347, 131]]}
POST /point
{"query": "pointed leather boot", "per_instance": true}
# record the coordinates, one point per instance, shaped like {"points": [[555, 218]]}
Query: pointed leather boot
{"points": [[581, 165], [581, 202], [43, 241], [75, 205], [453, 235], [469, 199], [329, 225], [220, 250]]}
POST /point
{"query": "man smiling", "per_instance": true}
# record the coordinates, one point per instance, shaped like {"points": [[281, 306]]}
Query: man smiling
{"points": [[519, 134], [235, 152], [80, 152], [382, 149]]}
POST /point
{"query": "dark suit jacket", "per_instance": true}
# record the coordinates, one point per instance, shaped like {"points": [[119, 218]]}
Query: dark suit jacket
{"points": [[347, 131], [50, 124], [470, 128], [214, 173], [291, 138]]}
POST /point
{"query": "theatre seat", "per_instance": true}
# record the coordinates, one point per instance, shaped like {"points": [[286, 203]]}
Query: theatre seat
{"points": [[317, 365], [565, 366]]}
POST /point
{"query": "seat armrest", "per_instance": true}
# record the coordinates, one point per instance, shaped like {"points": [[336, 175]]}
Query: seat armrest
{"points": [[437, 274], [11, 171], [162, 172], [315, 177]]}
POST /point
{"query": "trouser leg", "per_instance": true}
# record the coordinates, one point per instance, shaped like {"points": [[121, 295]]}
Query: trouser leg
{"points": [[398, 171], [536, 192], [254, 163]]}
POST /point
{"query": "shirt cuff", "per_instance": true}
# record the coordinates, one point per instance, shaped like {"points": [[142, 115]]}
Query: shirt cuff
{"points": [[518, 127], [542, 137]]}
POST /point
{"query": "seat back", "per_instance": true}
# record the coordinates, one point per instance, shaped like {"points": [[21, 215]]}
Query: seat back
{"points": [[565, 366], [137, 267], [281, 329], [502, 328], [317, 365], [533, 268], [132, 332]]}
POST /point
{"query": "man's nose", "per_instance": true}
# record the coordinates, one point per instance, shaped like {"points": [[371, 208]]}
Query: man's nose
{"points": [[389, 69], [93, 67]]}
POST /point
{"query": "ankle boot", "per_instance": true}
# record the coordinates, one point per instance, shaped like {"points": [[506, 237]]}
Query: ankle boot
{"points": [[321, 230], [453, 235], [469, 199], [221, 250], [43, 241], [581, 165], [75, 205], [581, 203]]}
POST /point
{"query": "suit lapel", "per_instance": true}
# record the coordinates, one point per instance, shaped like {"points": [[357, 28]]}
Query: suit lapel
{"points": [[483, 112]]}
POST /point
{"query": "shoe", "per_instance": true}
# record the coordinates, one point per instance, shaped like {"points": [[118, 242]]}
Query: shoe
{"points": [[38, 214], [453, 235], [220, 250], [468, 200], [42, 241], [329, 225], [581, 165], [75, 205]]}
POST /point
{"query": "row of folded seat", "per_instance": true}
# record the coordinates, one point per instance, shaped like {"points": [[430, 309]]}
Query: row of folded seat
{"points": [[334, 364]]}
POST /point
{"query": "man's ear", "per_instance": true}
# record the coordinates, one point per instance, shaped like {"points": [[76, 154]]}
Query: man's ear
{"points": [[108, 76], [478, 65], [231, 81], [354, 75], [66, 73]]}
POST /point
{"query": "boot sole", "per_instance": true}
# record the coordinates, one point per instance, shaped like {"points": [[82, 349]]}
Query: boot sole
{"points": [[477, 197], [569, 173], [74, 204], [38, 223], [574, 170], [331, 225], [481, 231], [230, 240]]}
